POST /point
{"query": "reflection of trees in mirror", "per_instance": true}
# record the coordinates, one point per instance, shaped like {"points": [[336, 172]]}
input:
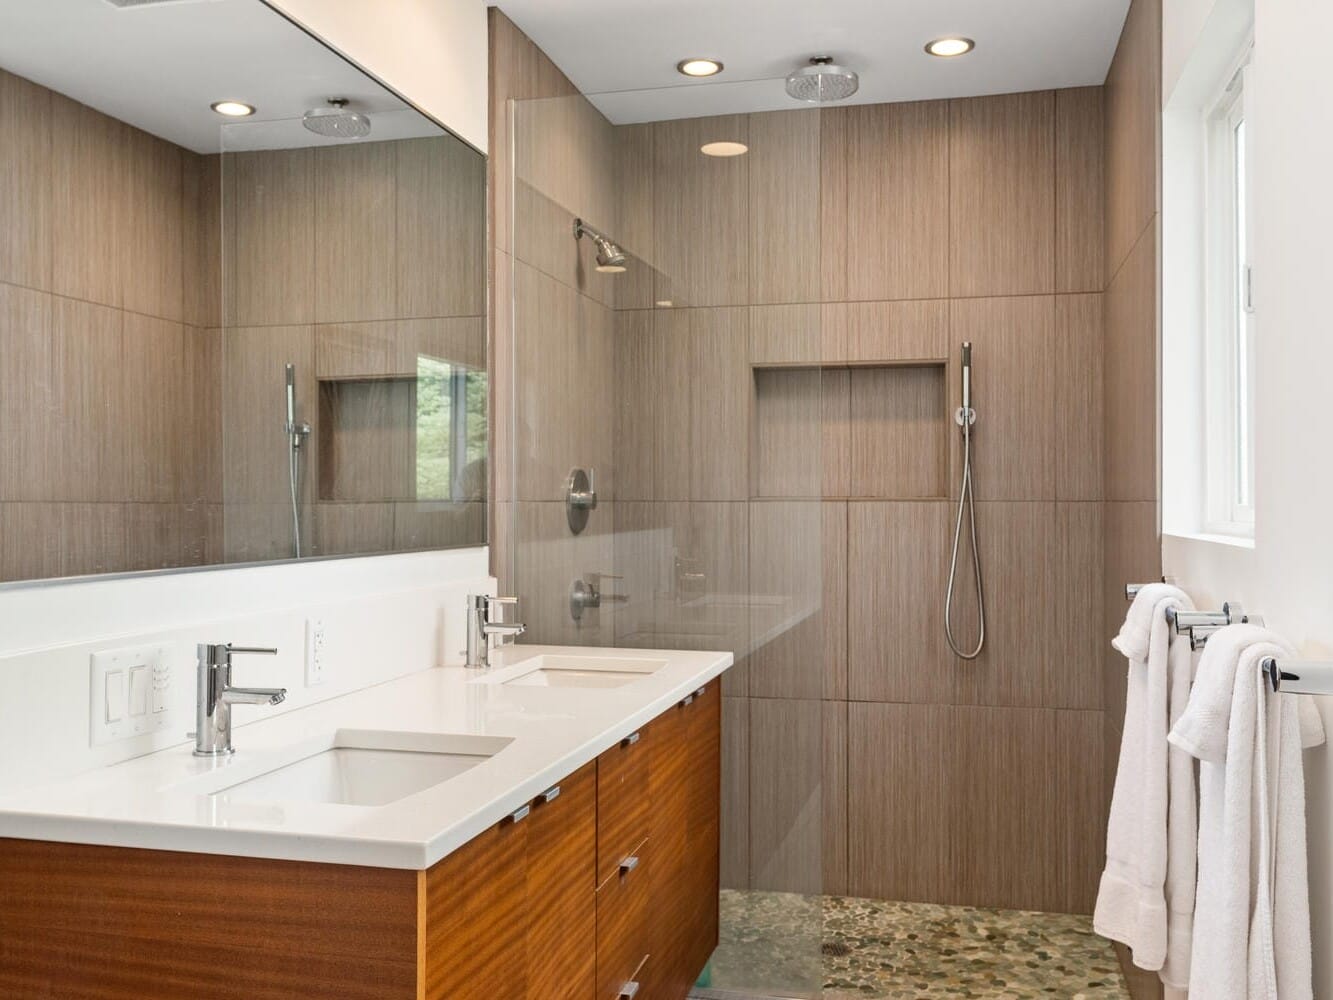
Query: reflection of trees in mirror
{"points": [[450, 431]]}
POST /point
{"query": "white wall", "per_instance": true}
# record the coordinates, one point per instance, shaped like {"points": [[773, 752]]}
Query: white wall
{"points": [[1288, 576], [433, 52]]}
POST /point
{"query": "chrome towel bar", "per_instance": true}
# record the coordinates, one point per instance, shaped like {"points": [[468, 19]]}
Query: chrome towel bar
{"points": [[1298, 676], [1200, 624]]}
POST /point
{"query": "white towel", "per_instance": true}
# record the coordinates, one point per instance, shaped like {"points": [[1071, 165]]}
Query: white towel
{"points": [[1146, 896], [1252, 920]]}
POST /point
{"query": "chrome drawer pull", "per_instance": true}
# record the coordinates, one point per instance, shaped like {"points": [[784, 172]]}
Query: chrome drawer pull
{"points": [[629, 864], [520, 814], [630, 740], [629, 990], [700, 692], [550, 794], [689, 699]]}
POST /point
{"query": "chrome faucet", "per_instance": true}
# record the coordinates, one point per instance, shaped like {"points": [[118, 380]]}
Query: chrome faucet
{"points": [[481, 626], [212, 734]]}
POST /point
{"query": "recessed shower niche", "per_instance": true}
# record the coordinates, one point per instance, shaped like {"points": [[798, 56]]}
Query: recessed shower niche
{"points": [[879, 431]]}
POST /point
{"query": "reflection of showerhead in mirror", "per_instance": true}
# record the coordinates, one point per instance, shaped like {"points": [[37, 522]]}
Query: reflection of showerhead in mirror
{"points": [[610, 258], [336, 122]]}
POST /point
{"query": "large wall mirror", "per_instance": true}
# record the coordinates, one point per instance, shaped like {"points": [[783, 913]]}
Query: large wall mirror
{"points": [[228, 339]]}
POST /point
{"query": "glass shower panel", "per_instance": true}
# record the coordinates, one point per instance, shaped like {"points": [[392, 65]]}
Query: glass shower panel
{"points": [[689, 386]]}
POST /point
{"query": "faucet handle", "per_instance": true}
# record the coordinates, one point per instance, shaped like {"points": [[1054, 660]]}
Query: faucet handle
{"points": [[266, 650]]}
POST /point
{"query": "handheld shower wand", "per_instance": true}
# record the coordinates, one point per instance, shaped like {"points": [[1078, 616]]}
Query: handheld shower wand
{"points": [[296, 435], [965, 416]]}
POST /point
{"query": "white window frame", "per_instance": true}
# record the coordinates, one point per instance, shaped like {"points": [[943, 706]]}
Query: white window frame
{"points": [[1229, 320]]}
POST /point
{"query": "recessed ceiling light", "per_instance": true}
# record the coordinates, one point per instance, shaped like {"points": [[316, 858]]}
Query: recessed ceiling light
{"points": [[699, 67], [947, 48], [233, 109], [724, 149]]}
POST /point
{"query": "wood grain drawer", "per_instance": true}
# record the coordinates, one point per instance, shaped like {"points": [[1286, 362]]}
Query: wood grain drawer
{"points": [[622, 923], [623, 801]]}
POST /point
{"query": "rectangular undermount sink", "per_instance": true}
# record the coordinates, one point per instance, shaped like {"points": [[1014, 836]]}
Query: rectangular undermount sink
{"points": [[566, 671], [365, 768]]}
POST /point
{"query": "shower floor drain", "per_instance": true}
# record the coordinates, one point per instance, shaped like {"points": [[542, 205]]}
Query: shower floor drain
{"points": [[834, 949]]}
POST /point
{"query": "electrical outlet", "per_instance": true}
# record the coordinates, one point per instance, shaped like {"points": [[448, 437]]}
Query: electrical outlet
{"points": [[314, 652]]}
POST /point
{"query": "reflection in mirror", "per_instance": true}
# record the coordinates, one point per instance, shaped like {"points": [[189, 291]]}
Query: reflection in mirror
{"points": [[228, 339]]}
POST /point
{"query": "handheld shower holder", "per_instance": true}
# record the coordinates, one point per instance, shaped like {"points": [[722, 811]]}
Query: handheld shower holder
{"points": [[965, 415]]}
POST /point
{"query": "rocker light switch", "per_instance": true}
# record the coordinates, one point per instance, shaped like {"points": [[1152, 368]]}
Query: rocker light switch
{"points": [[130, 694], [115, 695]]}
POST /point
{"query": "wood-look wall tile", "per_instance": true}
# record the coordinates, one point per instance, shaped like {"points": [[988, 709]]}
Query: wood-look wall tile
{"points": [[357, 350], [1130, 393], [900, 433], [787, 335], [202, 534], [863, 333], [547, 560], [1132, 554], [153, 227], [833, 201], [787, 440], [502, 384], [938, 794], [1002, 195], [154, 536], [786, 794], [635, 185], [786, 256], [635, 439], [719, 404], [356, 245], [460, 340], [735, 832], [203, 375], [25, 194], [898, 556], [798, 573], [1041, 563], [1080, 190], [1013, 392], [897, 162], [697, 194], [1078, 362], [263, 531], [441, 223], [835, 388], [644, 550], [25, 363], [900, 800], [269, 237], [42, 540], [710, 578], [543, 238], [254, 453], [1025, 790], [426, 525], [1133, 130], [89, 184], [201, 238], [155, 396], [672, 421], [349, 528], [833, 835]]}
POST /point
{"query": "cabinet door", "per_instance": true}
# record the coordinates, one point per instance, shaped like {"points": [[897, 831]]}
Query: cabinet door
{"points": [[625, 926], [476, 918], [704, 718], [562, 899], [670, 976]]}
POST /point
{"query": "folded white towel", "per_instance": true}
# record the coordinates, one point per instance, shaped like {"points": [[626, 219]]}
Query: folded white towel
{"points": [[1252, 919], [1146, 896]]}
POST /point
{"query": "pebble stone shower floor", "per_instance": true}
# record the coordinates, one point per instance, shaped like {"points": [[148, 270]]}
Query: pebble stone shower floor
{"points": [[876, 950]]}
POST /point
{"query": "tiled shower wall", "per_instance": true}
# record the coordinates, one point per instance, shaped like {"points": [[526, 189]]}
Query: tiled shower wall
{"points": [[767, 398], [108, 318]]}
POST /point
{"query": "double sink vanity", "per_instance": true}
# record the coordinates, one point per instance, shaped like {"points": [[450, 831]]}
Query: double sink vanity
{"points": [[545, 828]]}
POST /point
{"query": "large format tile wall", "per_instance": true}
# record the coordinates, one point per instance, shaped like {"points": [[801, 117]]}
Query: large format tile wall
{"points": [[1132, 540], [767, 396], [109, 418]]}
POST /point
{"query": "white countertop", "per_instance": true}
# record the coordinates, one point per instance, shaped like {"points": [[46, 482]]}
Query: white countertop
{"points": [[155, 801]]}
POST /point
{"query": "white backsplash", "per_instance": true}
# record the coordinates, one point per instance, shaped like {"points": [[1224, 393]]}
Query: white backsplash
{"points": [[383, 616]]}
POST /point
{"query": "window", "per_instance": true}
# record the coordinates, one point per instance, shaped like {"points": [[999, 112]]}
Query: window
{"points": [[1229, 339], [450, 431]]}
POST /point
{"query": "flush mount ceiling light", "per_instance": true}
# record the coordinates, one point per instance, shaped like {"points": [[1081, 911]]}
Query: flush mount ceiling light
{"points": [[699, 67], [724, 148], [947, 48], [233, 109]]}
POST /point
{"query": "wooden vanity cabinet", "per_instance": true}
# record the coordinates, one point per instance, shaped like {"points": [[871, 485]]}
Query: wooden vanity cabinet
{"points": [[611, 881]]}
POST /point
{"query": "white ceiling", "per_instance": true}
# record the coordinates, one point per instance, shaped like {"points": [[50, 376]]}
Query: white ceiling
{"points": [[623, 53], [160, 65]]}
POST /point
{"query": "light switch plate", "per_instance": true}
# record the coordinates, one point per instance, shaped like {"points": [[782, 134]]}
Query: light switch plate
{"points": [[156, 713]]}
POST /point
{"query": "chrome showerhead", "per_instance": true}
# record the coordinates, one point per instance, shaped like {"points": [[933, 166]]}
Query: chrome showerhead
{"points": [[610, 258], [823, 80], [336, 122]]}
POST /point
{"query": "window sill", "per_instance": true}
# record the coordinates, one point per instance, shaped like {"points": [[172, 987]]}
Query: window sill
{"points": [[1234, 541]]}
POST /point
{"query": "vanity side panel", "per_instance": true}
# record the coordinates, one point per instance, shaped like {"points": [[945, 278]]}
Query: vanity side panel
{"points": [[112, 923]]}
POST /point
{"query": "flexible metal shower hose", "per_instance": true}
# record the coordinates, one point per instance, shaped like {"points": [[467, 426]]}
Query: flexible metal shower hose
{"points": [[965, 501]]}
